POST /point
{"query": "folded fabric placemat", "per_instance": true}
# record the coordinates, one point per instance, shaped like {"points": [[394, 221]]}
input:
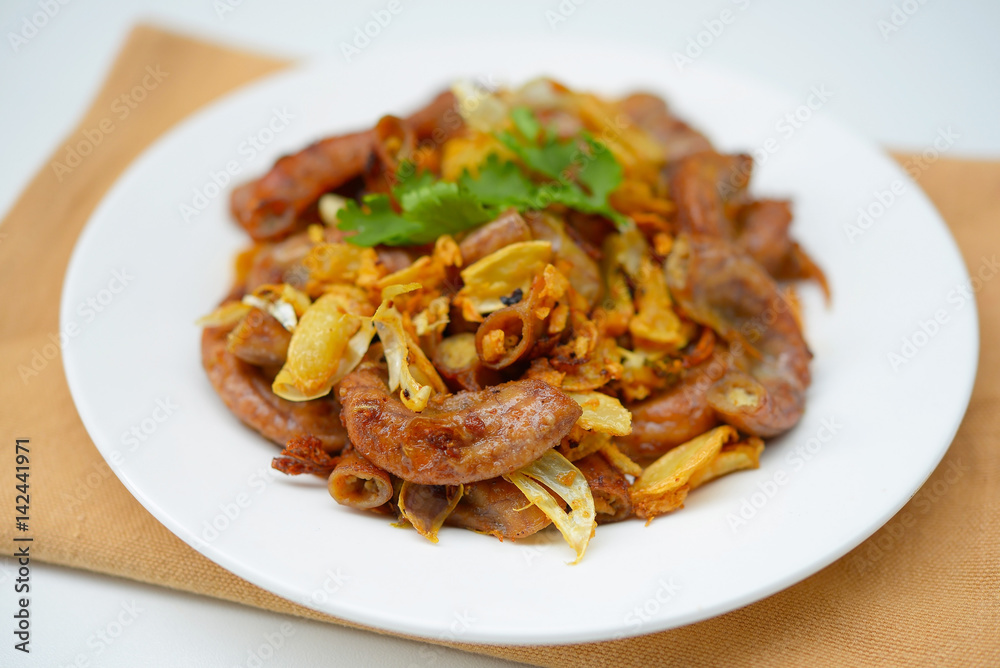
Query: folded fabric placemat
{"points": [[924, 590]]}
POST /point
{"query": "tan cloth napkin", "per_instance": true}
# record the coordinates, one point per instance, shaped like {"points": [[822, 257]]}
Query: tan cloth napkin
{"points": [[924, 590]]}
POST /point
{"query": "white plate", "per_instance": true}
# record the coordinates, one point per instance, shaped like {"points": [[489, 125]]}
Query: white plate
{"points": [[870, 436]]}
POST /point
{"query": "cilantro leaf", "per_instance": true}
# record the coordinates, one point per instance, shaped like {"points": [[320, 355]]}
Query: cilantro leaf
{"points": [[600, 173], [442, 208], [579, 173], [499, 184], [551, 159], [526, 123], [379, 225], [410, 179], [585, 171], [429, 211]]}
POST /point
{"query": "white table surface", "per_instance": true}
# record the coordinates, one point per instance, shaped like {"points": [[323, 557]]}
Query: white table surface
{"points": [[900, 72]]}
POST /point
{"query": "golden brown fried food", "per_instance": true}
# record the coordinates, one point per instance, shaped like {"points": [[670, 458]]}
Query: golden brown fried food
{"points": [[720, 286], [509, 228], [592, 280], [609, 487], [426, 507], [702, 185], [246, 391], [269, 207], [498, 508], [458, 438], [260, 340], [456, 360], [651, 114], [358, 483], [762, 230], [508, 335], [304, 454], [675, 416]]}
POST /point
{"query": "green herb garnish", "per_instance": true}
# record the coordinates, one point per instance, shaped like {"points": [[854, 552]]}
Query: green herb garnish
{"points": [[579, 173]]}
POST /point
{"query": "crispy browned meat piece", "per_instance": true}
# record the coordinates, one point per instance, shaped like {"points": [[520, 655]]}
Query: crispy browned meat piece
{"points": [[439, 120], [507, 229], [609, 487], [762, 230], [520, 329], [246, 391], [269, 207], [720, 286], [580, 268], [458, 438], [393, 259], [710, 192], [304, 454], [281, 261], [260, 340], [497, 507], [426, 507], [272, 260], [358, 483], [522, 334], [651, 114], [702, 184], [673, 417], [463, 371], [394, 142]]}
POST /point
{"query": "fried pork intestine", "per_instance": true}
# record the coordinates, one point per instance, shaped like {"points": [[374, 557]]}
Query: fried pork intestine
{"points": [[554, 315]]}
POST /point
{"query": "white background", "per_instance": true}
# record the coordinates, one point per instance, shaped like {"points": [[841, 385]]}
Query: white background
{"points": [[939, 70]]}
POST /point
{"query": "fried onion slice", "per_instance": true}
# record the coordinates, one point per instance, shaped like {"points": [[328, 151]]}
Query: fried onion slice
{"points": [[569, 484]]}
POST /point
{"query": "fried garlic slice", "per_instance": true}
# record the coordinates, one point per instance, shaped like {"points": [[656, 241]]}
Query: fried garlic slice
{"points": [[603, 413], [664, 484], [499, 274], [733, 457], [327, 343]]}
